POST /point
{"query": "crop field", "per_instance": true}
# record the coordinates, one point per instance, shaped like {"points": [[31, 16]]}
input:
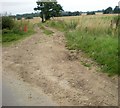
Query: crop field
{"points": [[35, 20]]}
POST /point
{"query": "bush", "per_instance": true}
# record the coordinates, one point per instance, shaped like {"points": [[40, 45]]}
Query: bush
{"points": [[109, 10], [7, 22], [6, 31], [90, 13]]}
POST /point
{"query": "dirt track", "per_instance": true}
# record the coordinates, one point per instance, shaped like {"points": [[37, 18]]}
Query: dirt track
{"points": [[45, 64]]}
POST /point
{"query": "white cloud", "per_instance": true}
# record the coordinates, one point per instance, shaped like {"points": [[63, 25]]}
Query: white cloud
{"points": [[17, 7], [27, 6], [86, 5]]}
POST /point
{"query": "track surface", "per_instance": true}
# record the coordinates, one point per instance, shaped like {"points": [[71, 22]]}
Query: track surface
{"points": [[41, 71]]}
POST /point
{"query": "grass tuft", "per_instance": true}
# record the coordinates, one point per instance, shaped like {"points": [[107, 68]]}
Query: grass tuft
{"points": [[45, 31], [48, 32]]}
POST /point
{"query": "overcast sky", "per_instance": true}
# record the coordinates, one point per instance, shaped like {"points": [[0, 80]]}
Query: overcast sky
{"points": [[27, 6]]}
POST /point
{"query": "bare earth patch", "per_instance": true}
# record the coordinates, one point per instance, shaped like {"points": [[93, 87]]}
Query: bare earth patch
{"points": [[44, 63]]}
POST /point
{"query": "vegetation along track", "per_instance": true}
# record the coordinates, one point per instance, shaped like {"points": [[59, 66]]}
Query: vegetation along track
{"points": [[44, 62]]}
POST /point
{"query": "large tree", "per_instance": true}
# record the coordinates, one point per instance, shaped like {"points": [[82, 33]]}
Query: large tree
{"points": [[109, 10], [48, 9], [116, 9]]}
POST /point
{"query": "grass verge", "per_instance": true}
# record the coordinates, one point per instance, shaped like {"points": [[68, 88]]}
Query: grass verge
{"points": [[17, 33], [103, 49], [95, 36]]}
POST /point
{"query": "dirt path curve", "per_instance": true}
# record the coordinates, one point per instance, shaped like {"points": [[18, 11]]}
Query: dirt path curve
{"points": [[46, 65]]}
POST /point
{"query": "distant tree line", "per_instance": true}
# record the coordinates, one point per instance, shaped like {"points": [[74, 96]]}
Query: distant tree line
{"points": [[27, 16], [109, 10], [68, 13], [77, 13]]}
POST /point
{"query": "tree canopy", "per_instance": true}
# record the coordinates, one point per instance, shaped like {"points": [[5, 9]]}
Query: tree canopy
{"points": [[108, 10], [48, 9], [116, 9]]}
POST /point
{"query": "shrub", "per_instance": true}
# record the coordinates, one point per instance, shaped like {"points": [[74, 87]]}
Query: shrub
{"points": [[90, 13], [6, 31], [7, 22]]}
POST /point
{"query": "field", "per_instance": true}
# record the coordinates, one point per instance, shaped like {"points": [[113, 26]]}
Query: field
{"points": [[96, 35]]}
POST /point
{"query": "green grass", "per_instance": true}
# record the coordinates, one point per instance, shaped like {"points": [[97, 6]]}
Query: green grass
{"points": [[95, 38], [103, 49], [86, 64], [14, 35], [62, 25], [56, 24], [48, 32], [45, 30]]}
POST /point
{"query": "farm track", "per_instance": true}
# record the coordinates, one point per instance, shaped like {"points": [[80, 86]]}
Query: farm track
{"points": [[45, 64]]}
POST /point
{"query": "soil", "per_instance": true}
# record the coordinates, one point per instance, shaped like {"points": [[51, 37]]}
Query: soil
{"points": [[44, 63]]}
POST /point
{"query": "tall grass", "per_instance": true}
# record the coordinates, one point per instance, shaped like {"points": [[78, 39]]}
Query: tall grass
{"points": [[102, 48], [58, 24], [17, 32], [63, 25], [95, 36]]}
